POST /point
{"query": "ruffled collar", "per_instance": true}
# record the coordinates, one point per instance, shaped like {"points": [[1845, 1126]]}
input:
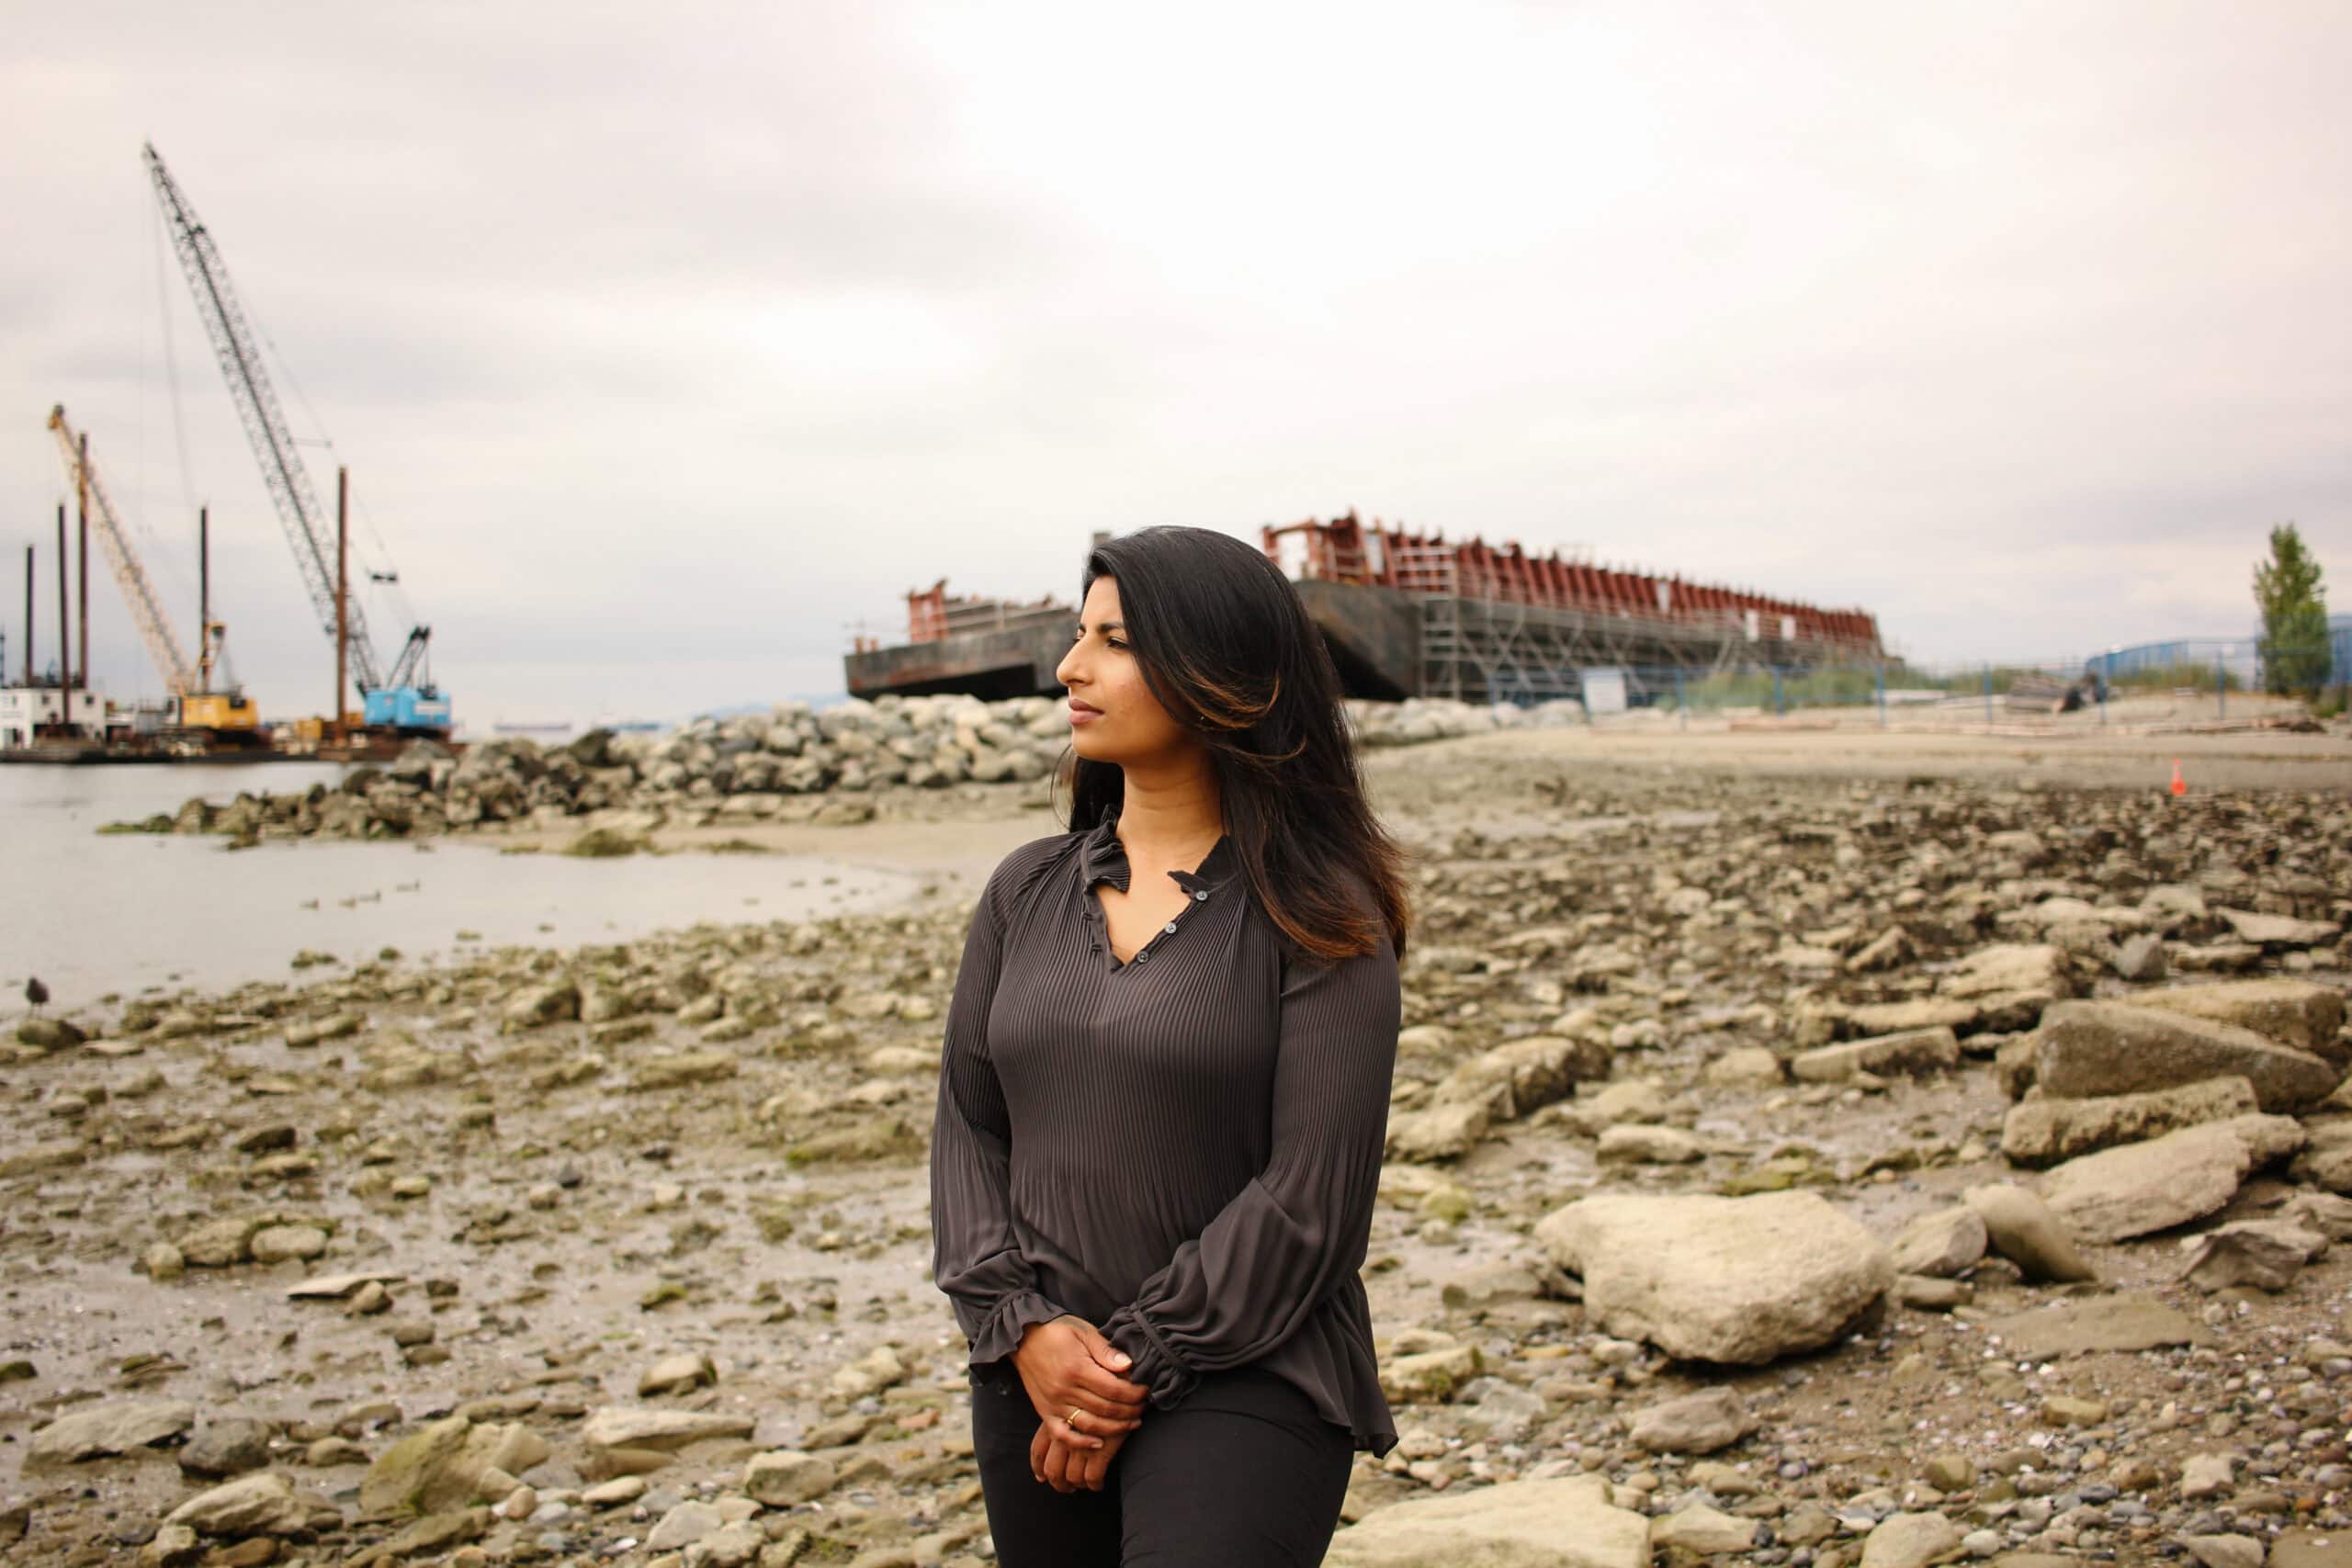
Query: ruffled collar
{"points": [[1104, 859]]}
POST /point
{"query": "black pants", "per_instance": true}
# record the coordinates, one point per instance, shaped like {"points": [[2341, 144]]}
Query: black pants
{"points": [[1244, 1473]]}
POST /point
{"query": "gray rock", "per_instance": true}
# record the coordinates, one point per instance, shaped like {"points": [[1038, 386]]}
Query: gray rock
{"points": [[2226, 1551], [1910, 1540], [50, 1033], [2293, 1013], [2326, 1161], [110, 1429], [2265, 1254], [1919, 1012], [449, 1463], [621, 1426], [535, 1006], [261, 1503], [2126, 1322], [1440, 1131], [2009, 968], [2140, 958], [1700, 1531], [1699, 1423], [1564, 1523], [676, 1374], [1641, 1145], [2089, 1049], [1745, 1066], [220, 1244], [1428, 1376], [1513, 1080], [1914, 1053], [2206, 1475], [782, 1478], [2021, 1227], [2043, 1131], [1942, 1243], [2278, 930], [226, 1445], [286, 1244], [685, 1525], [2141, 1188], [1739, 1281]]}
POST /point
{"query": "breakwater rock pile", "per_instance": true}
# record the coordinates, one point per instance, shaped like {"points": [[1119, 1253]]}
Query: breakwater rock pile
{"points": [[753, 767], [1807, 1172]]}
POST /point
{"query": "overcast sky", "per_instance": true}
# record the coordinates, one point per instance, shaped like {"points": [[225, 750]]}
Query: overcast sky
{"points": [[668, 345]]}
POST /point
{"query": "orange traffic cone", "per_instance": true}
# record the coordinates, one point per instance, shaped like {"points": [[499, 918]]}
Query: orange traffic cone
{"points": [[2179, 784]]}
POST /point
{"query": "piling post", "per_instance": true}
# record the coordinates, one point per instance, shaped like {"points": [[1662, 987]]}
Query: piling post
{"points": [[1682, 703], [1777, 706], [1879, 680], [204, 596], [2220, 687], [342, 589], [64, 629], [1988, 699], [82, 562], [29, 615]]}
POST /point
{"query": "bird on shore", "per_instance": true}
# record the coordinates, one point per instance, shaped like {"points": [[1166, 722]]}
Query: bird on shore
{"points": [[36, 993]]}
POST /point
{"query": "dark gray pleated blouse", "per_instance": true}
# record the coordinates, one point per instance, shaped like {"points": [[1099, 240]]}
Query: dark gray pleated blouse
{"points": [[1184, 1149]]}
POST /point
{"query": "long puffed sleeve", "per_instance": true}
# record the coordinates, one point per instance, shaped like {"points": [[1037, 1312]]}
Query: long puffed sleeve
{"points": [[976, 1259], [1300, 1226]]}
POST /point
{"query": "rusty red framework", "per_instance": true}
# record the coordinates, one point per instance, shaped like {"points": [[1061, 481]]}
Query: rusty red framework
{"points": [[933, 614], [1346, 549]]}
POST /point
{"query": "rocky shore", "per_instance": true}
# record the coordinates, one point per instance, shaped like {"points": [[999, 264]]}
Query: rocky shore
{"points": [[1805, 1171], [747, 769]]}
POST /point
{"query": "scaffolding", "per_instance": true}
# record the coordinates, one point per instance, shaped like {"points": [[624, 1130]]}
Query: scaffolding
{"points": [[1497, 624]]}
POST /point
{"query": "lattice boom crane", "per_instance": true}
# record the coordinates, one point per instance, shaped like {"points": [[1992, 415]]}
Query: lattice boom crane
{"points": [[146, 610], [289, 482]]}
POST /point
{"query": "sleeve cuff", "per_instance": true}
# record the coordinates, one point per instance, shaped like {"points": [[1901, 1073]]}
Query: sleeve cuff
{"points": [[1153, 1364], [1000, 1335]]}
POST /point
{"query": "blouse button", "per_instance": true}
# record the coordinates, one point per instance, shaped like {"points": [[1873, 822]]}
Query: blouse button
{"points": [[1169, 927], [1200, 897], [1143, 955]]}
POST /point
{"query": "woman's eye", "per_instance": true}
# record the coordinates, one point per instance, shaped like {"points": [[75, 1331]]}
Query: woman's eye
{"points": [[1115, 642]]}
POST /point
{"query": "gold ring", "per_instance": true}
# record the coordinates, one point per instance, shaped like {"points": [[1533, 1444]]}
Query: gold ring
{"points": [[1070, 1420]]}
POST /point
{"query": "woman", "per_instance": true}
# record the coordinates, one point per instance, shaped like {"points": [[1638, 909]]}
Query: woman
{"points": [[1164, 1092]]}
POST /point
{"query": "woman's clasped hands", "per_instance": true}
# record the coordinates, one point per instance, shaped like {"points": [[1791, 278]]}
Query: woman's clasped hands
{"points": [[1085, 1409]]}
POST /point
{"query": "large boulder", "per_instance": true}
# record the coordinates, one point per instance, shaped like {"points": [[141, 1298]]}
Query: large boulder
{"points": [[2293, 1013], [2144, 1188], [2089, 1049], [1742, 1280], [1564, 1523], [2043, 1131]]}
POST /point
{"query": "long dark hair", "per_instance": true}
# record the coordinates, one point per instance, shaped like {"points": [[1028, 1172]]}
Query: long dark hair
{"points": [[1227, 649]]}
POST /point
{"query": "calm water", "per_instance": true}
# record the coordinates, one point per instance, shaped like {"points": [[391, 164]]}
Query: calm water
{"points": [[91, 914]]}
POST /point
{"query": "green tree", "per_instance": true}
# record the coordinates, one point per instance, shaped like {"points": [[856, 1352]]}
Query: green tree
{"points": [[2287, 588]]}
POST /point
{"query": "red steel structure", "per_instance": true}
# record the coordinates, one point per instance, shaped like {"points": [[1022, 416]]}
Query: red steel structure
{"points": [[1348, 550]]}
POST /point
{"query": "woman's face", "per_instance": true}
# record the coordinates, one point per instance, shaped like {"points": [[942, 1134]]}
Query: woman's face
{"points": [[1126, 724]]}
